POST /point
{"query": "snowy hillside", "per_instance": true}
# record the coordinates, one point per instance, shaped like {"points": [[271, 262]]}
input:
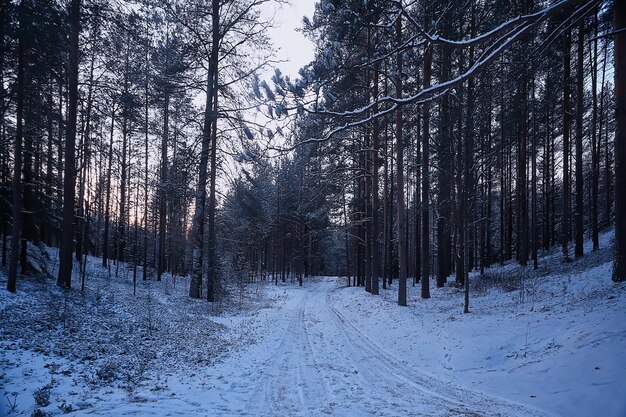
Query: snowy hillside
{"points": [[556, 341], [551, 344]]}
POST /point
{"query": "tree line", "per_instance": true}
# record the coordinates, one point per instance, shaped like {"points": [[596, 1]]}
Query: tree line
{"points": [[424, 141]]}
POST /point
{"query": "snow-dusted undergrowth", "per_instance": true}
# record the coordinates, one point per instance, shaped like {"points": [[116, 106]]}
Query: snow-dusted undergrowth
{"points": [[74, 346]]}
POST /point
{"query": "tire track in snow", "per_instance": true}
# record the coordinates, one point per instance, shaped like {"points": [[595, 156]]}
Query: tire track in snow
{"points": [[357, 384], [385, 392], [268, 391], [292, 384]]}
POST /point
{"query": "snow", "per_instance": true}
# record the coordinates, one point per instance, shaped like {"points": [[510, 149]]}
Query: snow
{"points": [[550, 343], [557, 342]]}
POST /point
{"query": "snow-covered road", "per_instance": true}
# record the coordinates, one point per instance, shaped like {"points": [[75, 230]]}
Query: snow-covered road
{"points": [[314, 362]]}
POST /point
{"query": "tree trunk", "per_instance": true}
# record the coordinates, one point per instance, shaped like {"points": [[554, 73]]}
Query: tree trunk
{"points": [[345, 225], [121, 227], [46, 227], [444, 250], [375, 186], [619, 269], [367, 180], [361, 254], [86, 142], [135, 243], [386, 209], [212, 255], [522, 185], [533, 158], [607, 173], [16, 183], [425, 249], [487, 222], [578, 248], [547, 168], [4, 157], [501, 165], [402, 299], [65, 251], [60, 136], [390, 197], [208, 142], [565, 220], [5, 214], [468, 176], [162, 189], [595, 146], [107, 208], [521, 130], [459, 216], [146, 132]]}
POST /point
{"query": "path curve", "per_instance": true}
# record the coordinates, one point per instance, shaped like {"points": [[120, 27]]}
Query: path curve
{"points": [[324, 365]]}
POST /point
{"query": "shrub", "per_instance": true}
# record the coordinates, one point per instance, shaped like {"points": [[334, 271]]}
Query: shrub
{"points": [[42, 396]]}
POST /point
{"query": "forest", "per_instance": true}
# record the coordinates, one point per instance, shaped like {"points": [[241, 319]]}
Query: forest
{"points": [[424, 140], [426, 145]]}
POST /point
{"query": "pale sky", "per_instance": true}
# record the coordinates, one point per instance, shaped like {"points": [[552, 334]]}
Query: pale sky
{"points": [[294, 47]]}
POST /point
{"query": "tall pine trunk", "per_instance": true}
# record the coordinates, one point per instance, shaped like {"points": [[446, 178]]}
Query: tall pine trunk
{"points": [[126, 111], [468, 175], [425, 221], [580, 80], [595, 145], [65, 251], [16, 183], [367, 179], [146, 136], [533, 181], [375, 186], [107, 205], [162, 188], [619, 269], [86, 142], [565, 218], [208, 144], [444, 251], [386, 209], [521, 125], [400, 176], [212, 255]]}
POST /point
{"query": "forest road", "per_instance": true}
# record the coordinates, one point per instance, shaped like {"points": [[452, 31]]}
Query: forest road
{"points": [[320, 364]]}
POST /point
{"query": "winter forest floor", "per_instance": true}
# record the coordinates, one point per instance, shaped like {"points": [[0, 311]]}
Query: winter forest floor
{"points": [[551, 343]]}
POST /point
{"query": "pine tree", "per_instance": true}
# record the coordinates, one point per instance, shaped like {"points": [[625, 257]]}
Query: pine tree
{"points": [[619, 269], [65, 251]]}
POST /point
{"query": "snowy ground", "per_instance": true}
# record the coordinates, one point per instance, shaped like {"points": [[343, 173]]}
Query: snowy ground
{"points": [[545, 344]]}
